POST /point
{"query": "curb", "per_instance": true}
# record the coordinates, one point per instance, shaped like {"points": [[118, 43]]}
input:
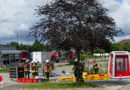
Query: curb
{"points": [[98, 88]]}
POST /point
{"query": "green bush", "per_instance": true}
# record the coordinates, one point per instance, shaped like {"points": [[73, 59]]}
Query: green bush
{"points": [[91, 70], [100, 71], [71, 62], [82, 57]]}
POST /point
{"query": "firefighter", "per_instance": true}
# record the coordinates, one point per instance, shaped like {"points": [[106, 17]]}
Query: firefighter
{"points": [[78, 70], [95, 66], [21, 64], [35, 70], [47, 69], [27, 70], [75, 67]]}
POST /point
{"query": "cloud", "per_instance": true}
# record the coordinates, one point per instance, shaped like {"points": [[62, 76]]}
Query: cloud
{"points": [[17, 16], [23, 27], [119, 38], [120, 11]]}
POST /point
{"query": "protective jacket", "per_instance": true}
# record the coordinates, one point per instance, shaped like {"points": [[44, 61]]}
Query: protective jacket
{"points": [[36, 68], [47, 68], [32, 68], [95, 65], [27, 67]]}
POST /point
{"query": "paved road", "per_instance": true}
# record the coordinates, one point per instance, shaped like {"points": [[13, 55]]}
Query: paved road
{"points": [[123, 84]]}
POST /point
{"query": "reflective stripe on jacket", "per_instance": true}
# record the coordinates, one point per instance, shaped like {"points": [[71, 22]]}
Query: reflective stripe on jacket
{"points": [[27, 67], [47, 68]]}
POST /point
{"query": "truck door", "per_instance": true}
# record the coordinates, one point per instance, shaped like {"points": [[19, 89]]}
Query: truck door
{"points": [[122, 66]]}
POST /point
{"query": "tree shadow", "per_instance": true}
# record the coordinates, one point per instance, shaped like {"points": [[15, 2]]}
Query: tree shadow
{"points": [[110, 82]]}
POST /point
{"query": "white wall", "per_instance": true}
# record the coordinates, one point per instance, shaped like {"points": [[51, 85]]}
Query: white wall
{"points": [[41, 56], [99, 54], [36, 56]]}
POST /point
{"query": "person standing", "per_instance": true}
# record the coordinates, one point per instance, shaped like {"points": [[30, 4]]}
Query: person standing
{"points": [[78, 71], [27, 70], [75, 68], [33, 70], [95, 66], [47, 70], [36, 70]]}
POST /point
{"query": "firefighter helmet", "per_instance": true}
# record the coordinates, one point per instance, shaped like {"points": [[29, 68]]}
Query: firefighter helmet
{"points": [[47, 61], [76, 60]]}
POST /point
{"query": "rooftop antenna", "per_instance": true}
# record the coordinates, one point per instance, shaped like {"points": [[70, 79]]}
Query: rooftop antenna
{"points": [[17, 36]]}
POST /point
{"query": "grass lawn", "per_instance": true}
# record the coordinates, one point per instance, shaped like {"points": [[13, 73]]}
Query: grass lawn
{"points": [[59, 85], [63, 65], [4, 70], [102, 61]]}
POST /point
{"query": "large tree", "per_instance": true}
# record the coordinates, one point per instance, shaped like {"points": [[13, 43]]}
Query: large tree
{"points": [[81, 24]]}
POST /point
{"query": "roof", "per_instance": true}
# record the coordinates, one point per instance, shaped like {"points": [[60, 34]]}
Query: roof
{"points": [[11, 51], [120, 52], [124, 41]]}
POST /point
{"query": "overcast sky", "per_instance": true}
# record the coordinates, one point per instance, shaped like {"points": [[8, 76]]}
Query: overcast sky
{"points": [[18, 16]]}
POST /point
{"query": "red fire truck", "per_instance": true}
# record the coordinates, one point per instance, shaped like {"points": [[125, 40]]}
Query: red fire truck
{"points": [[54, 56], [11, 56]]}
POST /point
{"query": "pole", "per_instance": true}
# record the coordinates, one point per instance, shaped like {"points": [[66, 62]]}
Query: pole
{"points": [[17, 36]]}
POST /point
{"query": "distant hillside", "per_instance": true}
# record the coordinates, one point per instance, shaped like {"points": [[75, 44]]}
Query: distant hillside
{"points": [[124, 41]]}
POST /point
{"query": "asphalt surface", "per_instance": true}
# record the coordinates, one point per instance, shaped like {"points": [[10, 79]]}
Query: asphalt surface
{"points": [[7, 84]]}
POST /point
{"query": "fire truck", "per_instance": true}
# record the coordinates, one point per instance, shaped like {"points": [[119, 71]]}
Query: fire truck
{"points": [[12, 56], [54, 56]]}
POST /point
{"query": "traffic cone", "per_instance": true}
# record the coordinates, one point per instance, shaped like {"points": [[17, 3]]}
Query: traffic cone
{"points": [[1, 79]]}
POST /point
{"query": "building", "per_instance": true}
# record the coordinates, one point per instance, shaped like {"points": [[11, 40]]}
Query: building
{"points": [[11, 55]]}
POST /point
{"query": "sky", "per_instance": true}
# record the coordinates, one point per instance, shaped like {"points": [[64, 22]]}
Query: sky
{"points": [[17, 16]]}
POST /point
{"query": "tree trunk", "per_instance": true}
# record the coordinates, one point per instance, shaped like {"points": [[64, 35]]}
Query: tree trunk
{"points": [[78, 55], [79, 69]]}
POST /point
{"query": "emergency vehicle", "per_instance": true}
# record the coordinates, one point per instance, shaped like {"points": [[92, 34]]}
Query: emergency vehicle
{"points": [[11, 56], [119, 64], [118, 68]]}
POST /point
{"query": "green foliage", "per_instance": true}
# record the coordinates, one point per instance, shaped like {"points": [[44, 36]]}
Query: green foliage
{"points": [[99, 50], [35, 47], [87, 68], [81, 24], [14, 44], [71, 62], [4, 70], [23, 47], [121, 47], [105, 46], [82, 57], [100, 71], [60, 85], [91, 70]]}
